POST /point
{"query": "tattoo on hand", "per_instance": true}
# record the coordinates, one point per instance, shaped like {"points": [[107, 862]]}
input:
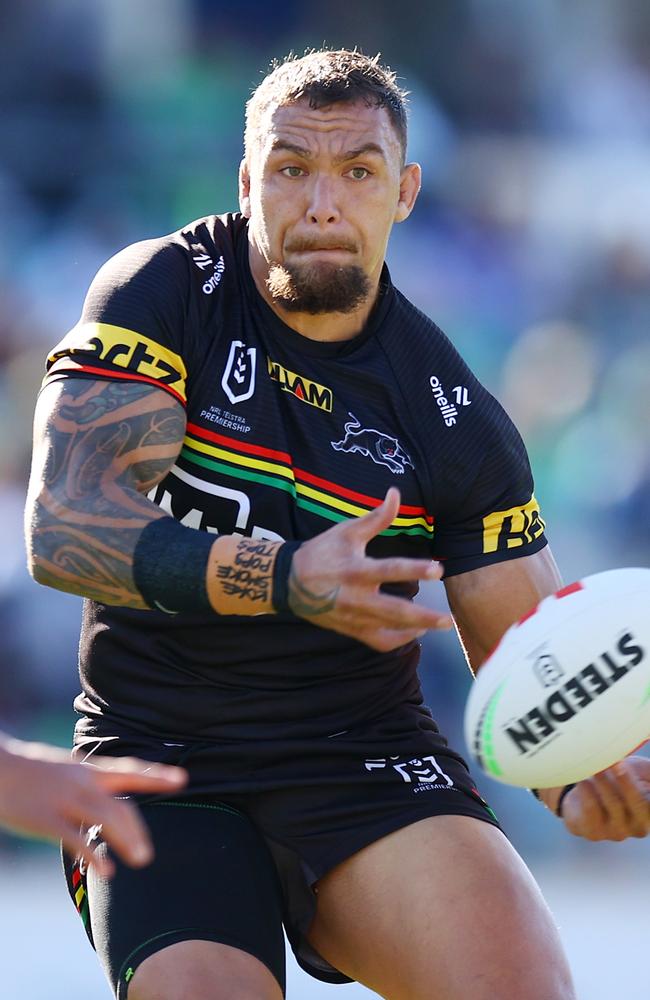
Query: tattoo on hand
{"points": [[305, 603]]}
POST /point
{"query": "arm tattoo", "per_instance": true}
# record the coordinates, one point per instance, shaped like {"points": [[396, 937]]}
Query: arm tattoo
{"points": [[99, 448]]}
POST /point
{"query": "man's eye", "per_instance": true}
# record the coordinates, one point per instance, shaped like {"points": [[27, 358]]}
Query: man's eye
{"points": [[292, 171], [359, 173]]}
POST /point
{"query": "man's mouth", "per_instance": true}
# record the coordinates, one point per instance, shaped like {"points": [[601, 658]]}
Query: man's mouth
{"points": [[321, 248]]}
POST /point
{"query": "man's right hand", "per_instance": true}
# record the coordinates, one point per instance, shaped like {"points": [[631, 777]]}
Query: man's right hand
{"points": [[612, 805], [334, 584]]}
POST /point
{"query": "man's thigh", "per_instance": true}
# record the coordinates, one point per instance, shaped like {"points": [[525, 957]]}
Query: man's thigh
{"points": [[212, 881], [190, 970], [443, 909]]}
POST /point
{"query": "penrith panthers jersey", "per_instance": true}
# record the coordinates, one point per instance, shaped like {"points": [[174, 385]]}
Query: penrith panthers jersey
{"points": [[285, 437]]}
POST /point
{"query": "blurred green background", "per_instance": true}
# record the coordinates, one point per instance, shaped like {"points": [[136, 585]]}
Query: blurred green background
{"points": [[530, 246]]}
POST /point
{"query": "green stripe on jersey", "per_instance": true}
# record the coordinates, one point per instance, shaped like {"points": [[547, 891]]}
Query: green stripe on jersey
{"points": [[289, 487]]}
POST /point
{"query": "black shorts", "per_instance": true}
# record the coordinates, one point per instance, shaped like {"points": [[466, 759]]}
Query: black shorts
{"points": [[258, 825]]}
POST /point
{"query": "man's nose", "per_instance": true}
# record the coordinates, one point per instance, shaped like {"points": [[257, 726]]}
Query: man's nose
{"points": [[323, 207]]}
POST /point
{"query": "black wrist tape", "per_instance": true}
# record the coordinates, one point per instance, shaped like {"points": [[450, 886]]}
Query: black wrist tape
{"points": [[563, 794], [565, 791], [169, 566], [281, 571]]}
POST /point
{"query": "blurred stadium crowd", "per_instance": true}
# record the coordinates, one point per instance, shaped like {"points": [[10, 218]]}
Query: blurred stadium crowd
{"points": [[530, 244]]}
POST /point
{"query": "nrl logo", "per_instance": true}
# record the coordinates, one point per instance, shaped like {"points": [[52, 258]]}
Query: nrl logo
{"points": [[238, 379], [381, 448], [547, 669]]}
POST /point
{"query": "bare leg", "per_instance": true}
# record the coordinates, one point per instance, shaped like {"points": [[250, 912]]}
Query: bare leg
{"points": [[444, 909], [190, 970]]}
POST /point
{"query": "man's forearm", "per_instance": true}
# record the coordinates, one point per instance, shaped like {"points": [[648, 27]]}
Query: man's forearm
{"points": [[85, 552], [91, 531]]}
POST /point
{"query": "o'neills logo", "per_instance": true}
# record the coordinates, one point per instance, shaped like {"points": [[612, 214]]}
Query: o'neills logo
{"points": [[447, 410], [303, 388], [576, 694]]}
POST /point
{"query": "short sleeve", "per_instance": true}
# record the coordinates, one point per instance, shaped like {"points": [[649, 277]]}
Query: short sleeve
{"points": [[133, 321], [496, 517]]}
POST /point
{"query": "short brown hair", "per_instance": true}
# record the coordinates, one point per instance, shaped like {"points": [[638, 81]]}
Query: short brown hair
{"points": [[329, 76]]}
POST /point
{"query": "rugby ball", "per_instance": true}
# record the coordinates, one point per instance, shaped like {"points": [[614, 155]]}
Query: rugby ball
{"points": [[566, 693]]}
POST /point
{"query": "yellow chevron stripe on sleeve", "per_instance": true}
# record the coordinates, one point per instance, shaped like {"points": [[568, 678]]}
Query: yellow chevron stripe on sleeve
{"points": [[125, 349]]}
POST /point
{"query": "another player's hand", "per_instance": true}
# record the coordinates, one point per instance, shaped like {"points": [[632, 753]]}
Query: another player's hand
{"points": [[613, 805], [44, 794], [335, 585]]}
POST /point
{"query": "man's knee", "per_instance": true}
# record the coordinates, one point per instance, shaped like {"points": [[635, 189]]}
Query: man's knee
{"points": [[228, 989], [209, 970]]}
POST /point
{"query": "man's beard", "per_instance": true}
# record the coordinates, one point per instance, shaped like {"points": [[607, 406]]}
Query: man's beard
{"points": [[318, 287]]}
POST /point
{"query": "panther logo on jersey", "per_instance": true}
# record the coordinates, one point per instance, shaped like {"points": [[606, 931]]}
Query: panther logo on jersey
{"points": [[381, 448], [238, 379]]}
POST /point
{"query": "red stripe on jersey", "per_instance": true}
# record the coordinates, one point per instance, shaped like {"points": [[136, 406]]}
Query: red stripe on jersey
{"points": [[300, 474], [130, 377], [343, 491], [251, 449]]}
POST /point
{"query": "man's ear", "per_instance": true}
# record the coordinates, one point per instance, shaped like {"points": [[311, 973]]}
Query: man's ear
{"points": [[244, 189], [409, 187]]}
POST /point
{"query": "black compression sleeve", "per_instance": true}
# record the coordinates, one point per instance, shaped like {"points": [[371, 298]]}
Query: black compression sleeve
{"points": [[281, 572], [170, 564]]}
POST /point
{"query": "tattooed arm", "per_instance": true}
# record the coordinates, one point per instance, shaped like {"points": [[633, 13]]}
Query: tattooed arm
{"points": [[98, 447]]}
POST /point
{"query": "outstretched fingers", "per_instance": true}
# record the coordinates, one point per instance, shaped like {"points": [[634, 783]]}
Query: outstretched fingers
{"points": [[125, 832], [78, 845], [122, 827], [398, 613], [397, 570], [128, 774], [364, 529], [384, 640], [334, 584]]}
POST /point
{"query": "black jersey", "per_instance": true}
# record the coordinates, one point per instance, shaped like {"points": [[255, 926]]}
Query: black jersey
{"points": [[285, 436]]}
